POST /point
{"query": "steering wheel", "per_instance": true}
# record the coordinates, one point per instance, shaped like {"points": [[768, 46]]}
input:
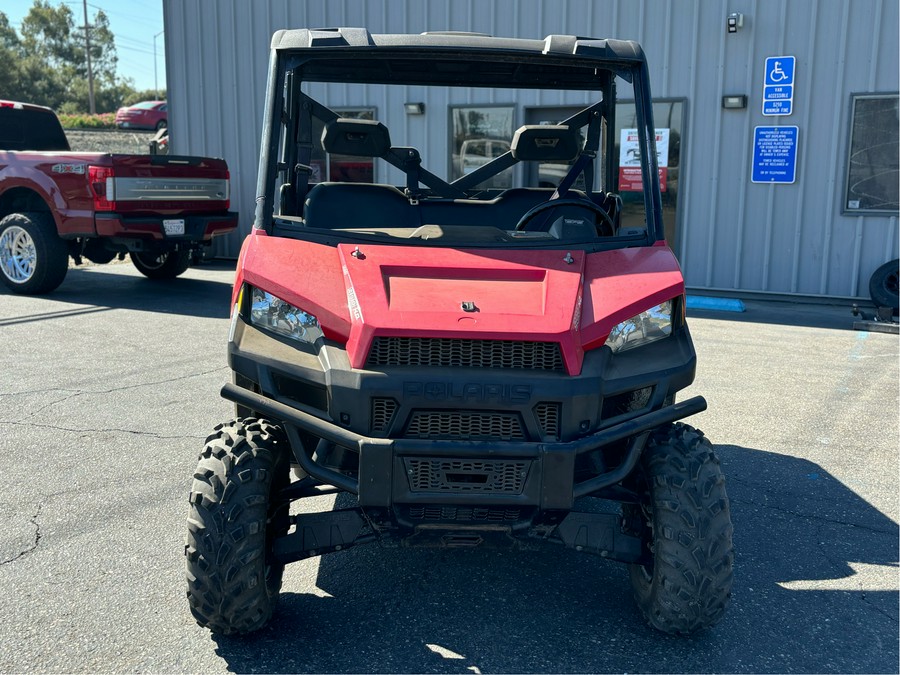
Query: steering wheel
{"points": [[605, 220]]}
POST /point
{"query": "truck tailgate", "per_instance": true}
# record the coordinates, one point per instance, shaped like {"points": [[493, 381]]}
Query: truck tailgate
{"points": [[140, 183]]}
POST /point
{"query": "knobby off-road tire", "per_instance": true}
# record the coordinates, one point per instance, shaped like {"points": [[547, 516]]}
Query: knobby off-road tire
{"points": [[234, 517], [162, 265], [33, 259], [884, 287], [686, 525]]}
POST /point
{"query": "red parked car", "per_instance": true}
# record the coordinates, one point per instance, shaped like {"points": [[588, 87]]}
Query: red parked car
{"points": [[143, 115]]}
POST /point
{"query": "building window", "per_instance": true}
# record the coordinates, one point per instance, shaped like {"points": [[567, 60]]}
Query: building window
{"points": [[873, 167], [341, 167], [668, 114], [478, 135]]}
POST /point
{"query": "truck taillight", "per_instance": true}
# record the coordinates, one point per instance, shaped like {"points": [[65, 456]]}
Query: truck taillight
{"points": [[227, 189], [101, 179]]}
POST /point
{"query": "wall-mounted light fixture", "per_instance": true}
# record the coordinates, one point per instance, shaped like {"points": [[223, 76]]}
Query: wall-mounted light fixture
{"points": [[414, 108], [735, 102], [734, 21]]}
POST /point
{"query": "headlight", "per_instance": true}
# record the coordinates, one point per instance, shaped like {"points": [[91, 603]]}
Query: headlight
{"points": [[278, 316], [650, 326]]}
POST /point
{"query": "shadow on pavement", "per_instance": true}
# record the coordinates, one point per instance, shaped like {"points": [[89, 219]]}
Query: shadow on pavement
{"points": [[798, 604], [121, 287]]}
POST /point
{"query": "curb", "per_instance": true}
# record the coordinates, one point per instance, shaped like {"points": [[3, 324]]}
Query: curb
{"points": [[715, 304]]}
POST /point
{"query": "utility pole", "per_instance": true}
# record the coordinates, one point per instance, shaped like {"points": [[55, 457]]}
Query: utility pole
{"points": [[155, 83], [87, 42]]}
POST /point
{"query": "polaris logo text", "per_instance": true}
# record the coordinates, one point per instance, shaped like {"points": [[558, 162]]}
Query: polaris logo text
{"points": [[477, 393]]}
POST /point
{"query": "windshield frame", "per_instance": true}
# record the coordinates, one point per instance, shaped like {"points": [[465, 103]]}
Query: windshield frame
{"points": [[289, 69]]}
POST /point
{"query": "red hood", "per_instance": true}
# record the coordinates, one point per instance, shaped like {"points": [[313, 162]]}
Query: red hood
{"points": [[545, 296]]}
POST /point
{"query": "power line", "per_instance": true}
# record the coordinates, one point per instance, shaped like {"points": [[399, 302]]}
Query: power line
{"points": [[149, 52], [141, 43], [120, 15], [130, 51]]}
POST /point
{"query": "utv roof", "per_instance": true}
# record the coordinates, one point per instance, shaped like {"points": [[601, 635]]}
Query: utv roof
{"points": [[354, 54], [601, 50]]}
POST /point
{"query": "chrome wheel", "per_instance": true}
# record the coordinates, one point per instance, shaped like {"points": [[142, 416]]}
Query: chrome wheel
{"points": [[17, 254], [153, 261], [166, 265]]}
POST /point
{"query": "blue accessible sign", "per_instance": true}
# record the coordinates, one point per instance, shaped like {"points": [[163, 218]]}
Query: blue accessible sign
{"points": [[774, 154], [778, 88]]}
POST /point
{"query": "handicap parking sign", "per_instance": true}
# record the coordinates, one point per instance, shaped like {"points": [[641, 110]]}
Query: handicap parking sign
{"points": [[780, 70], [778, 86]]}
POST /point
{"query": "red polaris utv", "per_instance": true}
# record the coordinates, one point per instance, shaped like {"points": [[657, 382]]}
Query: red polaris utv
{"points": [[470, 357]]}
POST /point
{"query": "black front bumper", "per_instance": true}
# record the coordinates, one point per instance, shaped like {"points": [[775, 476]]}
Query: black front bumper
{"points": [[382, 481]]}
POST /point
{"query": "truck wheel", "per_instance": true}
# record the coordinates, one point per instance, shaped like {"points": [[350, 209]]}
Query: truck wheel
{"points": [[686, 526], [162, 265], [884, 287], [33, 259], [235, 516]]}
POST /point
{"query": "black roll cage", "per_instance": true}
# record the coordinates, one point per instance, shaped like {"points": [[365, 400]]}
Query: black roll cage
{"points": [[290, 111]]}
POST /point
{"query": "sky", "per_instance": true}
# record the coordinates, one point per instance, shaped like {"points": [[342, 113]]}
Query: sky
{"points": [[134, 24]]}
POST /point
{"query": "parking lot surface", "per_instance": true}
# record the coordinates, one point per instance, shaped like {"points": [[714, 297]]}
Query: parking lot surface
{"points": [[110, 386]]}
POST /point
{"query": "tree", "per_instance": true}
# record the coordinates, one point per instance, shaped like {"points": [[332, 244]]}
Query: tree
{"points": [[10, 51], [8, 38], [144, 95], [49, 60]]}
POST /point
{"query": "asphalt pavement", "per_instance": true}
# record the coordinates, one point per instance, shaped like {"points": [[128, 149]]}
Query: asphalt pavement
{"points": [[110, 385]]}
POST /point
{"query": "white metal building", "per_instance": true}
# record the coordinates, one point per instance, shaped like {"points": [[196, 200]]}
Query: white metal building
{"points": [[819, 232]]}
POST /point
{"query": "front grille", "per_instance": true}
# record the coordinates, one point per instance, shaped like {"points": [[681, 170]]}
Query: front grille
{"points": [[462, 353], [383, 410], [464, 513], [548, 418], [465, 424], [457, 475]]}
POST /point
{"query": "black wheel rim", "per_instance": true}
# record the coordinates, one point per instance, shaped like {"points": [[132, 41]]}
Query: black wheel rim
{"points": [[891, 284]]}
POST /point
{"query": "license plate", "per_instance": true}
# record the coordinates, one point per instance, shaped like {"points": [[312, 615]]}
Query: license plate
{"points": [[173, 227]]}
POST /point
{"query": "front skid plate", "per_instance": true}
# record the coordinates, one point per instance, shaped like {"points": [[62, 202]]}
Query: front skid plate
{"points": [[600, 534], [319, 533]]}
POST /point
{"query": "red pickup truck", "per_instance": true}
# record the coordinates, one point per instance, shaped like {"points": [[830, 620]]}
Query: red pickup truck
{"points": [[56, 204]]}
